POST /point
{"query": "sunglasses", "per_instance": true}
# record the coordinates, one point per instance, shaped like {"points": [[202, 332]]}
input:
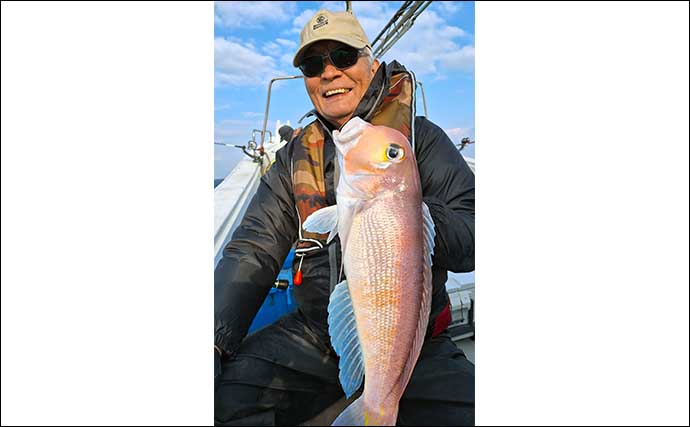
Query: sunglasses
{"points": [[342, 57]]}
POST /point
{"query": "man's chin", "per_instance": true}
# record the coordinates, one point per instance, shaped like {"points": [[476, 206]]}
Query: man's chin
{"points": [[338, 119], [341, 121]]}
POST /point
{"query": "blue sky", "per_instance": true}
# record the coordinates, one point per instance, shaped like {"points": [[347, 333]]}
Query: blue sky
{"points": [[255, 41]]}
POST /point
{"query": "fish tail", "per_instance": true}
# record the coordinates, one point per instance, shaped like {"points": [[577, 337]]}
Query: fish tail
{"points": [[353, 415], [359, 414]]}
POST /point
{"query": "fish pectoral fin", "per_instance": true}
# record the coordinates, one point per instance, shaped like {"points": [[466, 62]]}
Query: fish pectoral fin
{"points": [[342, 328], [322, 221]]}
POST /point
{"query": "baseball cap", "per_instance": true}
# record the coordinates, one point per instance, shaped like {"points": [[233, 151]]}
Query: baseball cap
{"points": [[327, 25]]}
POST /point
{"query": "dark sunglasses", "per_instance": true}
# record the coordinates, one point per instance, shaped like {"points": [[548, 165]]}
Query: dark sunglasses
{"points": [[341, 57]]}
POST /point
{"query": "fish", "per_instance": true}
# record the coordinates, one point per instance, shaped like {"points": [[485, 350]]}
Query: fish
{"points": [[378, 316]]}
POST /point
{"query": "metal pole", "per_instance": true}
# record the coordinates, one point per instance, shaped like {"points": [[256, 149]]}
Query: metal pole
{"points": [[399, 24], [400, 28], [270, 134], [268, 102], [391, 21]]}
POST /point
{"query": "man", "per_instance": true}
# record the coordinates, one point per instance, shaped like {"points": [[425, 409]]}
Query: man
{"points": [[286, 133], [287, 373]]}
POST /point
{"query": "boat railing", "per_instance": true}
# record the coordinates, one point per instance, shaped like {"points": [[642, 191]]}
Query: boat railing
{"points": [[268, 103]]}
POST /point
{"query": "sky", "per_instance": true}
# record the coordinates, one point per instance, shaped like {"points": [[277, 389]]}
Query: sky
{"points": [[256, 41]]}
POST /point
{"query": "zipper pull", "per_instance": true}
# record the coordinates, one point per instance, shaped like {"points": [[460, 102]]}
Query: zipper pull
{"points": [[297, 279]]}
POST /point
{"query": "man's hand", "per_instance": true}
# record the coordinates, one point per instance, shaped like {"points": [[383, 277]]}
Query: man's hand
{"points": [[350, 132]]}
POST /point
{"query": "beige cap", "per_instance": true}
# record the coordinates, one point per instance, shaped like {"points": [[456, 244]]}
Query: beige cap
{"points": [[327, 25]]}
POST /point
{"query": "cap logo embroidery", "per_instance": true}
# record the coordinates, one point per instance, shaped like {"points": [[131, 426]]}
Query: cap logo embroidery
{"points": [[321, 20]]}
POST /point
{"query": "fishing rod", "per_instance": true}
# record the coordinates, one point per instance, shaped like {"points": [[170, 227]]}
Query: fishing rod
{"points": [[230, 145], [251, 145]]}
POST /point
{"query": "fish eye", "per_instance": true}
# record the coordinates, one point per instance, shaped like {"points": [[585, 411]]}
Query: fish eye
{"points": [[395, 152]]}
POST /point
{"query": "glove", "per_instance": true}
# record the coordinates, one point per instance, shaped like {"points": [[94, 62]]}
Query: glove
{"points": [[350, 133]]}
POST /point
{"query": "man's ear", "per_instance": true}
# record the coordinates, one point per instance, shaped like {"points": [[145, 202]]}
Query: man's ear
{"points": [[375, 66]]}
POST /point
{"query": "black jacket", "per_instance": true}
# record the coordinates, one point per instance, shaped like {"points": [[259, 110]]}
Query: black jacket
{"points": [[254, 256]]}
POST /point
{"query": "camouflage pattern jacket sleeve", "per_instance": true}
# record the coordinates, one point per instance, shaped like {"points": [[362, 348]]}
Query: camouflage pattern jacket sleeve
{"points": [[255, 254], [448, 190]]}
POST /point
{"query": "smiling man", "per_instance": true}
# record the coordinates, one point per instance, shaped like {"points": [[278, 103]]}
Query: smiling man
{"points": [[335, 77], [287, 372]]}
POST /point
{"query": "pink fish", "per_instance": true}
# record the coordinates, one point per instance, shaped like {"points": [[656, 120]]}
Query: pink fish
{"points": [[378, 316]]}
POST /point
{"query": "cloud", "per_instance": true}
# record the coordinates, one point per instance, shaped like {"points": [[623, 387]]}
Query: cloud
{"points": [[372, 15], [431, 48], [290, 44], [434, 48], [300, 20], [461, 60], [239, 65], [251, 114], [271, 48], [449, 7], [252, 14], [286, 58], [235, 131], [457, 134]]}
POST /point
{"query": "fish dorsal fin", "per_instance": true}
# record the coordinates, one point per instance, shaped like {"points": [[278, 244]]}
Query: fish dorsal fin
{"points": [[322, 221], [343, 330], [425, 305]]}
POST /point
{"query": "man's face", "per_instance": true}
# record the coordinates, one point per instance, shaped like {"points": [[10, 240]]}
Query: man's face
{"points": [[338, 108]]}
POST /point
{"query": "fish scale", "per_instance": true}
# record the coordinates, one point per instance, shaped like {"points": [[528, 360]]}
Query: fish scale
{"points": [[379, 294]]}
